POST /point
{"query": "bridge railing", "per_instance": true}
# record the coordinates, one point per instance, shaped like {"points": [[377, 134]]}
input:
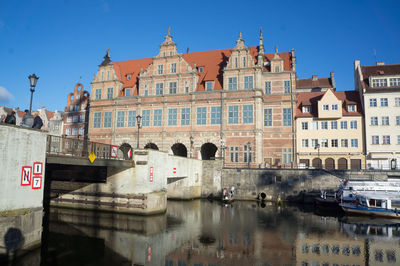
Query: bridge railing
{"points": [[79, 148]]}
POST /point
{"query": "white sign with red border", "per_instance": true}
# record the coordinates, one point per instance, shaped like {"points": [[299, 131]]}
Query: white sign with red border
{"points": [[114, 151], [151, 173], [130, 153], [36, 182], [174, 170], [26, 175], [37, 168]]}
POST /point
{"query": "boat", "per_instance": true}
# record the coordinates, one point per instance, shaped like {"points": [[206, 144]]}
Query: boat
{"points": [[374, 203]]}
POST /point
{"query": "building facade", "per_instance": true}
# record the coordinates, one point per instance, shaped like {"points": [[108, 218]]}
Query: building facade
{"points": [[236, 104], [379, 88], [329, 130]]}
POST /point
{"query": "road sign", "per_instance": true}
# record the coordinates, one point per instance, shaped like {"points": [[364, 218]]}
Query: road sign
{"points": [[92, 157], [151, 173], [26, 175], [37, 168], [174, 170], [114, 151], [36, 182]]}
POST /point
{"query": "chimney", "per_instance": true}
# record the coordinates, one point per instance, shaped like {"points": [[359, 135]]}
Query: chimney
{"points": [[314, 77], [187, 50], [333, 81], [380, 63]]}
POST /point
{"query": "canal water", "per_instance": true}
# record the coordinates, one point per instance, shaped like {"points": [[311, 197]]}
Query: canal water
{"points": [[204, 233]]}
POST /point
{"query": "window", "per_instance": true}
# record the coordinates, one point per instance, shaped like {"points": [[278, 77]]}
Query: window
{"points": [[248, 82], [186, 89], [234, 154], [172, 116], [385, 120], [172, 88], [268, 117], [379, 83], [131, 118], [276, 68], [398, 139], [201, 115], [68, 132], [314, 143], [353, 124], [146, 118], [287, 155], [215, 115], [375, 139], [98, 94], [287, 116], [96, 120], [108, 75], [354, 143], [324, 125], [314, 125], [334, 143], [201, 69], [128, 77], [232, 84], [324, 143], [394, 82], [159, 88], [69, 119], [351, 108], [244, 61], [110, 92], [209, 86], [268, 87], [343, 124], [248, 114], [247, 153], [333, 124], [304, 125], [334, 106], [185, 116], [344, 143], [146, 92], [397, 120], [120, 118], [306, 109], [304, 143], [287, 86], [236, 62], [374, 120], [325, 107], [233, 114], [373, 102], [384, 102], [107, 120], [81, 131], [397, 101], [173, 68], [386, 139], [157, 117], [160, 69], [127, 92]]}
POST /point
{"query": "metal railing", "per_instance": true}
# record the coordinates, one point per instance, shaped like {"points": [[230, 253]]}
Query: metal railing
{"points": [[79, 148]]}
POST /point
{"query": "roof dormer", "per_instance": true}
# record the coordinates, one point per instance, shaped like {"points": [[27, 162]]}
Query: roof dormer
{"points": [[277, 62], [329, 106], [240, 56]]}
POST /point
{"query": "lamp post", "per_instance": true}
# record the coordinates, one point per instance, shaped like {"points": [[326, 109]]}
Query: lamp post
{"points": [[223, 147], [248, 154], [191, 145], [32, 80], [138, 120], [319, 159]]}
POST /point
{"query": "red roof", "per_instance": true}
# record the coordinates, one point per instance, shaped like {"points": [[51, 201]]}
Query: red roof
{"points": [[310, 83], [380, 70], [312, 98], [213, 62]]}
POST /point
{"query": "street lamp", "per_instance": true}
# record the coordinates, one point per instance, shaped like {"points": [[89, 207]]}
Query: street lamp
{"points": [[223, 147], [138, 120], [32, 80], [317, 146], [191, 145]]}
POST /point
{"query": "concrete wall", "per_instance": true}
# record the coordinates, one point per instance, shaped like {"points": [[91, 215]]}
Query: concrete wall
{"points": [[212, 172]]}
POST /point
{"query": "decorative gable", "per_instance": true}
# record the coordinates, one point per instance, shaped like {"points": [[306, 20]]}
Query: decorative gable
{"points": [[329, 106]]}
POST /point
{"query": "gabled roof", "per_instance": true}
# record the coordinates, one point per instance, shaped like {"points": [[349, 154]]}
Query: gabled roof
{"points": [[213, 62], [379, 70], [310, 83], [312, 98]]}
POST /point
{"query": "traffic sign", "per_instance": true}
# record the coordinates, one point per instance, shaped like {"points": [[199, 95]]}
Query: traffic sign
{"points": [[26, 175], [114, 151], [37, 168], [36, 182], [174, 170], [92, 157], [151, 173]]}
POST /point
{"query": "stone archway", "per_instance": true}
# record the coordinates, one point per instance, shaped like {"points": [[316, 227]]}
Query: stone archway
{"points": [[208, 151], [125, 147], [179, 149], [316, 163], [342, 164], [329, 163], [151, 146]]}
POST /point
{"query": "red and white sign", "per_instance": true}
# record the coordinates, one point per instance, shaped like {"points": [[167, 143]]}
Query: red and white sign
{"points": [[174, 170], [151, 173], [36, 182], [149, 253], [114, 151], [37, 168], [26, 175], [130, 153]]}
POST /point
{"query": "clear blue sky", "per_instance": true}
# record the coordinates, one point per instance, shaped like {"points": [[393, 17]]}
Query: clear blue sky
{"points": [[63, 42]]}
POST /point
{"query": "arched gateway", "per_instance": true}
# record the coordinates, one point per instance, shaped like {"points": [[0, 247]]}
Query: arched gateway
{"points": [[179, 149], [208, 151]]}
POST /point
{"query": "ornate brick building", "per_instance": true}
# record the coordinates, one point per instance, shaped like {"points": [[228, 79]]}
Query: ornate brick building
{"points": [[235, 104]]}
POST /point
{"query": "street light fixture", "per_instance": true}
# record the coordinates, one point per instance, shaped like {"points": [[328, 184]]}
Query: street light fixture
{"points": [[32, 80], [317, 146], [223, 147], [138, 120]]}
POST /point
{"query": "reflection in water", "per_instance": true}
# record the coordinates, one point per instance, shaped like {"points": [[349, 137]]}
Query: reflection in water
{"points": [[209, 233]]}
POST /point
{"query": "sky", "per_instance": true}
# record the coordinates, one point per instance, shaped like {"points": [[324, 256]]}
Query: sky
{"points": [[63, 42]]}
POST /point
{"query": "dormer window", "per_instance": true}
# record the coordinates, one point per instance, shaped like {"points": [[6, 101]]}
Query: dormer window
{"points": [[128, 77], [244, 61], [236, 62], [379, 83], [325, 107], [276, 68], [351, 108], [306, 109], [127, 92], [209, 86], [334, 106], [160, 69], [395, 82], [201, 69]]}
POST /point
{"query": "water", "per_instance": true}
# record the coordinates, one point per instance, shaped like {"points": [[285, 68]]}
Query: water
{"points": [[203, 233]]}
